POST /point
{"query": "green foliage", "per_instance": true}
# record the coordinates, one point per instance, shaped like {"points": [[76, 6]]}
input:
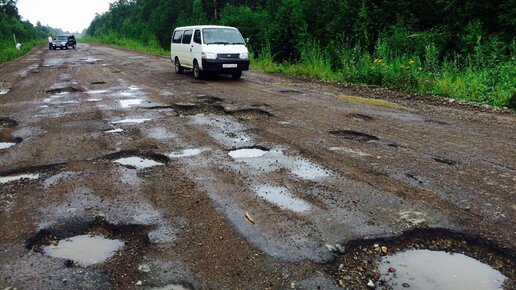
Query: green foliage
{"points": [[459, 49]]}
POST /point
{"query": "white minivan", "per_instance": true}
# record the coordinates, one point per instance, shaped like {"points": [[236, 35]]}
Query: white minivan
{"points": [[209, 48]]}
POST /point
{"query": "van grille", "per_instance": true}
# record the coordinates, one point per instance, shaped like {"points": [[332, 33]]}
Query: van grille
{"points": [[228, 55]]}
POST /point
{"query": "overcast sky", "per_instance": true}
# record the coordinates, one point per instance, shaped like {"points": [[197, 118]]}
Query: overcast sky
{"points": [[69, 15]]}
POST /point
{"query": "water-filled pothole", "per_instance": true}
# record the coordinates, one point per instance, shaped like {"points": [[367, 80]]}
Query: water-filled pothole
{"points": [[138, 162], [186, 153], [438, 270], [3, 91], [354, 135], [128, 103], [402, 261], [247, 153], [116, 130], [129, 121], [85, 250]]}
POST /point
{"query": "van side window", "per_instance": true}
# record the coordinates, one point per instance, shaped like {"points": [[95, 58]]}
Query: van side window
{"points": [[177, 36], [187, 37], [197, 36]]}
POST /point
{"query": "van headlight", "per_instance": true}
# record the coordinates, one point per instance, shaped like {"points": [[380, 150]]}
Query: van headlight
{"points": [[209, 55], [244, 55]]}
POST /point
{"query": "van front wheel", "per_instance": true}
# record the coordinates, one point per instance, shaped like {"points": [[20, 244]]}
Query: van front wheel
{"points": [[177, 67], [197, 73]]}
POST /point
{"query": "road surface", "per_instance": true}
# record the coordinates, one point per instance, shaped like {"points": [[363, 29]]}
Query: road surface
{"points": [[267, 182]]}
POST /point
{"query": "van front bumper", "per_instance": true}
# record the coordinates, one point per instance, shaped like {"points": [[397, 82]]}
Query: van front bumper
{"points": [[221, 65]]}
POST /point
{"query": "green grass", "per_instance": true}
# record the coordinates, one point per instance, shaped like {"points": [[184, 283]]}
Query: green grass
{"points": [[8, 52], [492, 83], [150, 46]]}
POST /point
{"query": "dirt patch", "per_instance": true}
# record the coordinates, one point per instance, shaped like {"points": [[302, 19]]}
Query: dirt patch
{"points": [[354, 135], [124, 263], [359, 262]]}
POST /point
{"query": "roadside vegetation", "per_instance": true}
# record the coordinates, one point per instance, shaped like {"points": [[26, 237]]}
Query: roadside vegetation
{"points": [[26, 34]]}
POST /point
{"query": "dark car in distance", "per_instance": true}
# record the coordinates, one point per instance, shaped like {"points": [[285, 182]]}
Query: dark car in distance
{"points": [[64, 42]]}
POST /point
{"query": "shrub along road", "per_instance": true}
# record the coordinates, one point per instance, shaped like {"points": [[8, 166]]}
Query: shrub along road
{"points": [[111, 143]]}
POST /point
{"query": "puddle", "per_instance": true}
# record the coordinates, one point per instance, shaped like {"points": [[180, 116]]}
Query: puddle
{"points": [[354, 135], [129, 103], [125, 121], [186, 153], [114, 131], [171, 287], [5, 145], [247, 153], [6, 179], [94, 100], [282, 197], [438, 270], [138, 162], [96, 92], [4, 91], [86, 250]]}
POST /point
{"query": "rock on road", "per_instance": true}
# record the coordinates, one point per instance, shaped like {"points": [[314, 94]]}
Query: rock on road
{"points": [[329, 166]]}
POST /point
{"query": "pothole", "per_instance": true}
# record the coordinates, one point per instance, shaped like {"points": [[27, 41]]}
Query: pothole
{"points": [[85, 250], [198, 108], [7, 122], [445, 160], [116, 130], [137, 162], [361, 117], [64, 88], [250, 112], [426, 259], [82, 244], [171, 287], [27, 173], [98, 83], [439, 270], [252, 152], [186, 153], [3, 91], [209, 99], [354, 135]]}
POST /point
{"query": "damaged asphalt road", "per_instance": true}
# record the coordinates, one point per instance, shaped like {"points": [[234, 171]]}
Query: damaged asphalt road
{"points": [[264, 183]]}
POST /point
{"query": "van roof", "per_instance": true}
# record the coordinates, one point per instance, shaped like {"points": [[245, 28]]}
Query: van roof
{"points": [[203, 26]]}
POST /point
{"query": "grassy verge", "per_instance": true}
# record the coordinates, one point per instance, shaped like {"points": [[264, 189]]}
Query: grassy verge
{"points": [[150, 47], [9, 52], [491, 83]]}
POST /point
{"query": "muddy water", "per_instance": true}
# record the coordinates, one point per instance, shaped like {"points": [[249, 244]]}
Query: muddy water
{"points": [[424, 269], [5, 145], [6, 179], [138, 162], [86, 250], [282, 197]]}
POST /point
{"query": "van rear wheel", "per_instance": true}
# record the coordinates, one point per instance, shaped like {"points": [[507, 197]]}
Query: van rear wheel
{"points": [[177, 66], [197, 73]]}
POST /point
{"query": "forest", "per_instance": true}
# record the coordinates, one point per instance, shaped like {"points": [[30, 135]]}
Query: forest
{"points": [[26, 33]]}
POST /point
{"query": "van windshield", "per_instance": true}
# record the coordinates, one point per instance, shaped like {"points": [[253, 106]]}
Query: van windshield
{"points": [[222, 36]]}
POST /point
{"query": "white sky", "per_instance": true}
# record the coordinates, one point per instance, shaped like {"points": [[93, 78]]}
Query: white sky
{"points": [[69, 15]]}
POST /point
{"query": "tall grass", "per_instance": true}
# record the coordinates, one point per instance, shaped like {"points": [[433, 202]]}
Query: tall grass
{"points": [[8, 51], [150, 46], [490, 80]]}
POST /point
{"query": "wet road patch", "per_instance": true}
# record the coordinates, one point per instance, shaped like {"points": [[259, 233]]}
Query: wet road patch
{"points": [[281, 197], [399, 262], [354, 135]]}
